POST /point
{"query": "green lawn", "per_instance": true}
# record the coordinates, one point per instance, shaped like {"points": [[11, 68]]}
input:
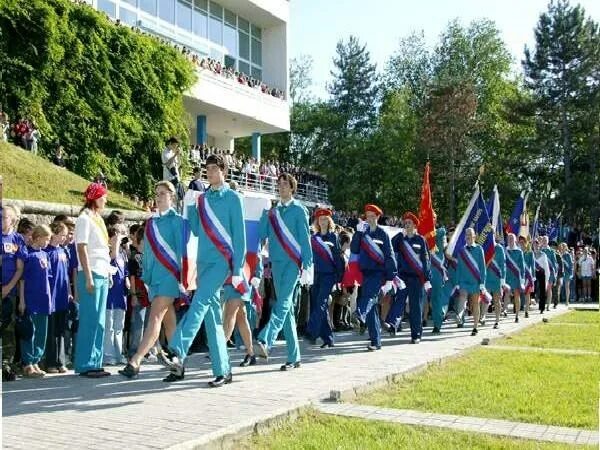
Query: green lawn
{"points": [[579, 337], [520, 386], [29, 177], [322, 432], [578, 317]]}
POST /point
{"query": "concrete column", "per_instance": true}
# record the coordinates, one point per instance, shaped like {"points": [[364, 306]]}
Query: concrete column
{"points": [[256, 147], [201, 135]]}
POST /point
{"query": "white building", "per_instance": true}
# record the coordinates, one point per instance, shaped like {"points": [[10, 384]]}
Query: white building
{"points": [[249, 36]]}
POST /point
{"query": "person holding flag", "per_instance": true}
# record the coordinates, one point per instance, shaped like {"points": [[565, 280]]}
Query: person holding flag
{"points": [[515, 272], [286, 228], [471, 276], [439, 277], [217, 219], [415, 272], [495, 279], [378, 268], [162, 260], [329, 269], [529, 261]]}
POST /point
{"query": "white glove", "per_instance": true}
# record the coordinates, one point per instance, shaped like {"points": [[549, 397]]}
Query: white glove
{"points": [[307, 276], [502, 282], [236, 281], [387, 287], [255, 282], [482, 287], [427, 286], [362, 226]]}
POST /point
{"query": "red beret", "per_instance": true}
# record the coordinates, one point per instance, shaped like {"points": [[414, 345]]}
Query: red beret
{"points": [[374, 209], [323, 212], [410, 216], [94, 191]]}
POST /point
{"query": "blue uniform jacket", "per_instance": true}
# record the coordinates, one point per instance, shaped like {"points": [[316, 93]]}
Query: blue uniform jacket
{"points": [[59, 283], [493, 279], [464, 275], [418, 244], [117, 296], [324, 265], [227, 206], [551, 262], [36, 279], [365, 262], [295, 217], [515, 281]]}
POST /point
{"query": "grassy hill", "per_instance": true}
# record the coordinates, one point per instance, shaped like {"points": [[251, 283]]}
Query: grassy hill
{"points": [[29, 177]]}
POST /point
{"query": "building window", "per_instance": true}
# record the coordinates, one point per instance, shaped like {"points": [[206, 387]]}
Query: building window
{"points": [[243, 25], [257, 73], [216, 10], [230, 18], [108, 7], [256, 32], [200, 23], [202, 4], [244, 47], [230, 40], [229, 62], [216, 55], [244, 67], [184, 15], [256, 52], [131, 2], [148, 6], [127, 16], [166, 10], [215, 30]]}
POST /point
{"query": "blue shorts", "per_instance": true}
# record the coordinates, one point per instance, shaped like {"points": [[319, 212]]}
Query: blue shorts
{"points": [[229, 293], [586, 278], [168, 287]]}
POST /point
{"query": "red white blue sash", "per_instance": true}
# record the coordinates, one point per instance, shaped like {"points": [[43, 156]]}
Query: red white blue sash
{"points": [[163, 252], [439, 266], [529, 283], [372, 249], [495, 268], [411, 257], [285, 237], [512, 265], [322, 249], [219, 236], [471, 264]]}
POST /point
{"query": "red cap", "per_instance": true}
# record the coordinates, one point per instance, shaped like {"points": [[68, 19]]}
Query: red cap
{"points": [[411, 216], [323, 212], [374, 209], [94, 191]]}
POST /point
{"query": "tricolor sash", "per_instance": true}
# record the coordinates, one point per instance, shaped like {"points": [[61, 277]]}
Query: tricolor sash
{"points": [[162, 250], [285, 237], [512, 265], [372, 249], [538, 266], [471, 264], [320, 247], [219, 236], [413, 260], [495, 268], [437, 263], [529, 279]]}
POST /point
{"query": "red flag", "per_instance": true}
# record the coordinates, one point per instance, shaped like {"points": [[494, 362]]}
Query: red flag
{"points": [[426, 226]]}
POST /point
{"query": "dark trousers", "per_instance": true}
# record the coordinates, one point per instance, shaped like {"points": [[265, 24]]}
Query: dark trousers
{"points": [[55, 340], [540, 289]]}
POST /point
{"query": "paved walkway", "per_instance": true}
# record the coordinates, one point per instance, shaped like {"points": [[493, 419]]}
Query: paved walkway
{"points": [[69, 411], [464, 423]]}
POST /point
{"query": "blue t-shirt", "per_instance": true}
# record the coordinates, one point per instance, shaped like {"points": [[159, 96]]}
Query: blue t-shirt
{"points": [[36, 276], [59, 283], [72, 254], [117, 297], [13, 248]]}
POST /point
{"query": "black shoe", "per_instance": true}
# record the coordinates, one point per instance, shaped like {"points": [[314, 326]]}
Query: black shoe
{"points": [[249, 360], [177, 372], [517, 319], [130, 371], [392, 331], [424, 324], [221, 380], [554, 307], [372, 348], [326, 345], [230, 344], [435, 330], [460, 325], [362, 329], [496, 326], [415, 341], [289, 365], [526, 315], [474, 332], [95, 373]]}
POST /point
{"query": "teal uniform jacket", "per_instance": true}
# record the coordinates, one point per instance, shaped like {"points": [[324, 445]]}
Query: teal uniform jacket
{"points": [[516, 280], [496, 271], [567, 266], [159, 280], [552, 263], [439, 272], [295, 216], [467, 280], [227, 207], [529, 261]]}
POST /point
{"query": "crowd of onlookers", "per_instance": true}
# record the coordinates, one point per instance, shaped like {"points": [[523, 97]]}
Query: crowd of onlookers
{"points": [[23, 132]]}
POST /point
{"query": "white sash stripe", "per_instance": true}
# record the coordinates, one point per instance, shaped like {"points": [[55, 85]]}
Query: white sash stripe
{"points": [[290, 238], [217, 223]]}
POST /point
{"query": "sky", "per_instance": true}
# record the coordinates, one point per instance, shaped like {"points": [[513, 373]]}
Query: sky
{"points": [[317, 25]]}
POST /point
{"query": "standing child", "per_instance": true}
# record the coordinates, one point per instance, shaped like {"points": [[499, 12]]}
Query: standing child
{"points": [[116, 306], [36, 301], [60, 289], [138, 293]]}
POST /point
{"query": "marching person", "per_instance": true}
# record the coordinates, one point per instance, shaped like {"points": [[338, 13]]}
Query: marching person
{"points": [[551, 280], [471, 275], [286, 228], [329, 268], [378, 266], [529, 273], [162, 262], [515, 272], [218, 221], [439, 278], [415, 272], [495, 279], [542, 273], [567, 270]]}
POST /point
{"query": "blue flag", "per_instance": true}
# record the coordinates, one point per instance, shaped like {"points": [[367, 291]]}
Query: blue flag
{"points": [[514, 223]]}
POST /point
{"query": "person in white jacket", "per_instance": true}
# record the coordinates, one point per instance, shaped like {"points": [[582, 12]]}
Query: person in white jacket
{"points": [[542, 274]]}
